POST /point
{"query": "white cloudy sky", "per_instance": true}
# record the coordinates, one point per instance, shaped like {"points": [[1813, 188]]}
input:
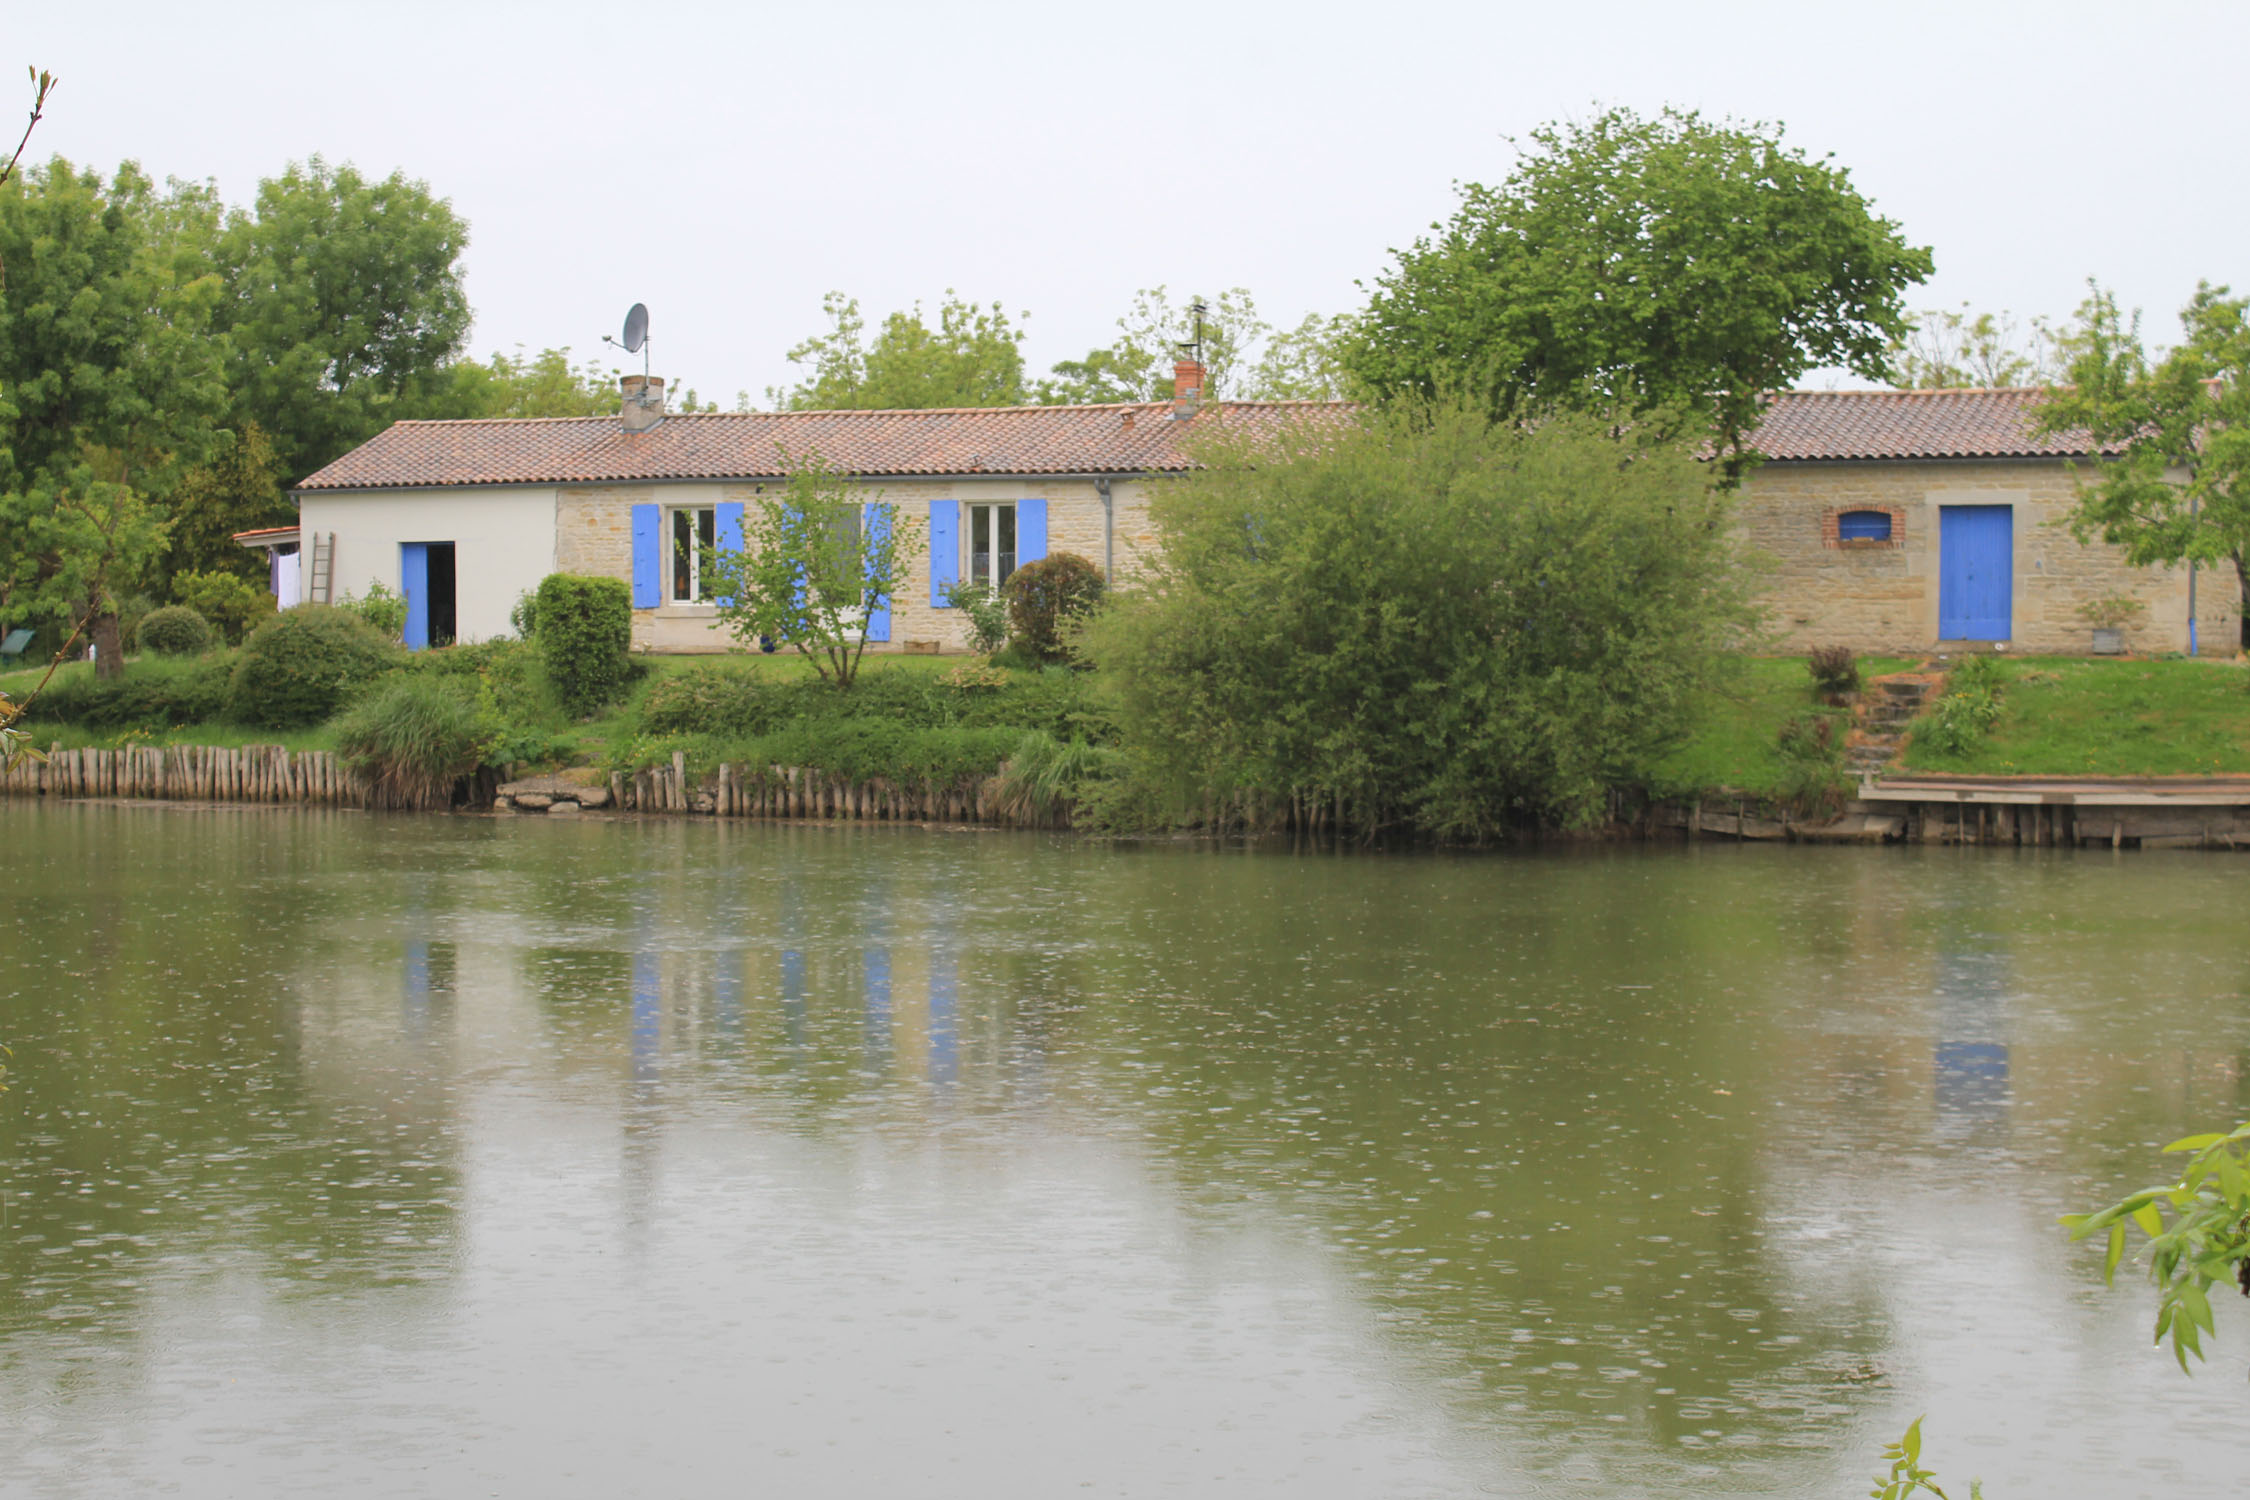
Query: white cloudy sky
{"points": [[729, 164]]}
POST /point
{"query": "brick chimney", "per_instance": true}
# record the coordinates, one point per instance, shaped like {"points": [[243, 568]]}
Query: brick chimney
{"points": [[1187, 389], [643, 401]]}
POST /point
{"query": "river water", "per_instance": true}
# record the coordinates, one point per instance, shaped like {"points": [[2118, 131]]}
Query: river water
{"points": [[359, 1155]]}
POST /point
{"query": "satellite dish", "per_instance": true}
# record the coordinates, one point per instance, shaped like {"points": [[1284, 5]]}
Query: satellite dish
{"points": [[636, 328]]}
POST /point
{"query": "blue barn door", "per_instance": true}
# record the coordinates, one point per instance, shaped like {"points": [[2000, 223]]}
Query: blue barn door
{"points": [[1976, 572], [414, 583]]}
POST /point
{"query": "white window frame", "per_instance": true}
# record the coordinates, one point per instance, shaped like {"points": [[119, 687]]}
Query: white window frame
{"points": [[969, 509], [695, 553]]}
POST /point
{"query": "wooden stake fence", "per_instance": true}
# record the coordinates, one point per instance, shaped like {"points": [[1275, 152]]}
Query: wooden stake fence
{"points": [[192, 773]]}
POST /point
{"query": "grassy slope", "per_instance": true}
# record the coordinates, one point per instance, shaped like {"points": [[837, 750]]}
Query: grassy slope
{"points": [[2111, 717], [591, 740], [2063, 716], [1734, 745]]}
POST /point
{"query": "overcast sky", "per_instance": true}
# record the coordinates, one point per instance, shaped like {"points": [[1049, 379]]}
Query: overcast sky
{"points": [[729, 164]]}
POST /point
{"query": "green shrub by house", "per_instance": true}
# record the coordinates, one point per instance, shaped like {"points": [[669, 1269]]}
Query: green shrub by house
{"points": [[412, 739], [175, 630], [157, 693], [585, 630], [380, 608], [1429, 622], [305, 663], [1965, 715], [231, 603], [738, 700], [856, 749], [1044, 596]]}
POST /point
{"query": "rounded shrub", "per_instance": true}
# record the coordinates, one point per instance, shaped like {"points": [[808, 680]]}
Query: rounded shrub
{"points": [[305, 663], [176, 630], [585, 628], [233, 604], [1043, 596], [411, 740]]}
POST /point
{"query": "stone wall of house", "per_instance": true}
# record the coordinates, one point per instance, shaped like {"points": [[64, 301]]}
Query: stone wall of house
{"points": [[594, 535], [1883, 596]]}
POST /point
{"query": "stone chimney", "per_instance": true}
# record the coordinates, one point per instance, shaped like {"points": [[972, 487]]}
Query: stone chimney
{"points": [[643, 401], [1187, 389]]}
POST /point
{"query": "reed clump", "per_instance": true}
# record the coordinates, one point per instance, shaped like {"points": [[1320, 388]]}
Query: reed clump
{"points": [[412, 741]]}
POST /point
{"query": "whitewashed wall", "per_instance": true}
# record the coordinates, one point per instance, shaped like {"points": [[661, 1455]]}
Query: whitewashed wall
{"points": [[503, 544]]}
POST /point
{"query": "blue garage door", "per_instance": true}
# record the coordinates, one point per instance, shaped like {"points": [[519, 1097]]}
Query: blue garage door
{"points": [[1976, 572]]}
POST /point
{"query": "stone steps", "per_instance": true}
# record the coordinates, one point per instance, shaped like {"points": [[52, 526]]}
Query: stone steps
{"points": [[1886, 707]]}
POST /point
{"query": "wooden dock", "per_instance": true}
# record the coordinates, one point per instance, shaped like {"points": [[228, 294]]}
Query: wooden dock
{"points": [[2142, 811]]}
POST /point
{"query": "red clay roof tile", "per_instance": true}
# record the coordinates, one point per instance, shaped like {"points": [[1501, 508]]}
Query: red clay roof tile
{"points": [[1122, 439], [1830, 425]]}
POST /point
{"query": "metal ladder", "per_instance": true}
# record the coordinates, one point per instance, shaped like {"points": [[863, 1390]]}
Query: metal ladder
{"points": [[323, 567]]}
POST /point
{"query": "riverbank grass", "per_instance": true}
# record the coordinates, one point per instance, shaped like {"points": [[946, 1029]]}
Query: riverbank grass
{"points": [[2071, 716], [1736, 743]]}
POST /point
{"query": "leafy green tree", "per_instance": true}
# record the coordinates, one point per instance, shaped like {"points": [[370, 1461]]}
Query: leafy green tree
{"points": [[1946, 350], [345, 307], [971, 358], [112, 388], [1669, 262], [817, 561], [2180, 490], [546, 384], [1243, 358], [1434, 623], [2205, 1244], [238, 488], [228, 600]]}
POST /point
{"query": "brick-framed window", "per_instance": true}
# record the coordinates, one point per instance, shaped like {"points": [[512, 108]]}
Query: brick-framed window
{"points": [[1856, 528]]}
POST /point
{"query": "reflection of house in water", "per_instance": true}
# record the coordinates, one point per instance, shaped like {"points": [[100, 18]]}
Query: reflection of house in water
{"points": [[1969, 1022], [430, 971]]}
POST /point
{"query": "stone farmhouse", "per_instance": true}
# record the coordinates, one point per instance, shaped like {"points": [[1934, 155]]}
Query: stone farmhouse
{"points": [[1897, 520]]}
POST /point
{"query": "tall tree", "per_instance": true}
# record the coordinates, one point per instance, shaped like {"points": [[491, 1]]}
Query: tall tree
{"points": [[112, 388], [1671, 262], [238, 488], [345, 305], [2180, 489], [1241, 357], [971, 358], [1949, 350]]}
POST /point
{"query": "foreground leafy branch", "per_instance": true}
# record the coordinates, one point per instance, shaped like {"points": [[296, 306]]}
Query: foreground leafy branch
{"points": [[2207, 1240]]}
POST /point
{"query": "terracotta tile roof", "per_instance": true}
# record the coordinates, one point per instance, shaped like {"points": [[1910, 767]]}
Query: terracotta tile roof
{"points": [[1121, 439], [265, 534], [1814, 425]]}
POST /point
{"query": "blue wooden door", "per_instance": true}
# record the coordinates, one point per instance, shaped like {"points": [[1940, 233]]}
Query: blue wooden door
{"points": [[1976, 572], [414, 582]]}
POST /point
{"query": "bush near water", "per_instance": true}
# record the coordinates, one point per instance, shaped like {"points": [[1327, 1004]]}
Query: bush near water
{"points": [[585, 630], [304, 664], [412, 739]]}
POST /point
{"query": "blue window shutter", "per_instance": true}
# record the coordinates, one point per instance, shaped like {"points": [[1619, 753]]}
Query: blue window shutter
{"points": [[945, 549], [877, 519], [414, 583], [1031, 531], [648, 556], [729, 529]]}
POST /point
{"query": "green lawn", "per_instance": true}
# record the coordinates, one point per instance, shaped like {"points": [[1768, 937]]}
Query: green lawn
{"points": [[593, 740], [2111, 717], [1734, 746], [2061, 716]]}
